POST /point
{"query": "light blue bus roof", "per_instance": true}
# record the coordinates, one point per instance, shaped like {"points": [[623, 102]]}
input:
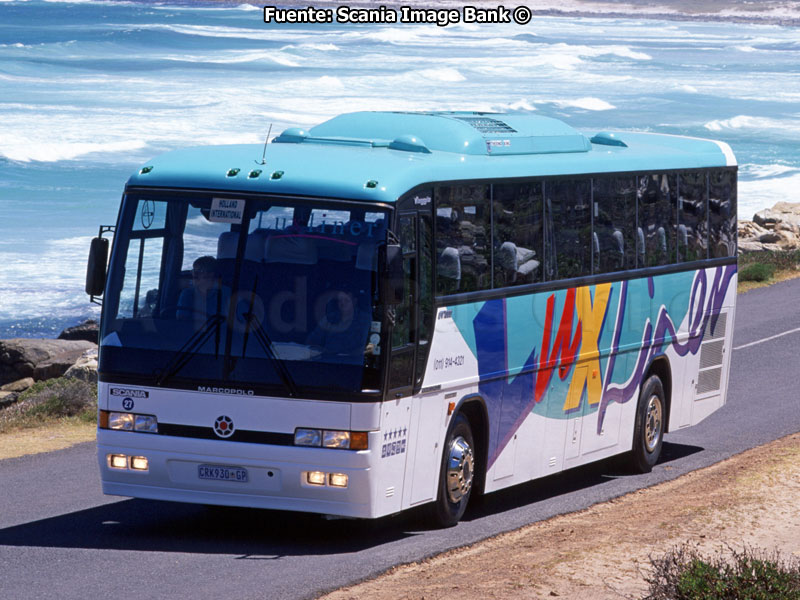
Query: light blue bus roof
{"points": [[379, 156]]}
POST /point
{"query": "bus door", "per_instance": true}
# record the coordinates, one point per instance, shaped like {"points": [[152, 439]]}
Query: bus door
{"points": [[411, 340], [401, 366], [413, 318]]}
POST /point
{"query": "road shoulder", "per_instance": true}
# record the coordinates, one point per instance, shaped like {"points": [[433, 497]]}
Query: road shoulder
{"points": [[47, 438], [601, 552]]}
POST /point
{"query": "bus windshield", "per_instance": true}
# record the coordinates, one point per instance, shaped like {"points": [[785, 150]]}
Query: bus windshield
{"points": [[264, 295]]}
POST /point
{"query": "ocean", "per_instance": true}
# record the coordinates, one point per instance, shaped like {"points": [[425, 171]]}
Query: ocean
{"points": [[89, 91]]}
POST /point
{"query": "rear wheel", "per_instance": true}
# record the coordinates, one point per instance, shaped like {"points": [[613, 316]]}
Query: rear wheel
{"points": [[457, 474], [648, 433]]}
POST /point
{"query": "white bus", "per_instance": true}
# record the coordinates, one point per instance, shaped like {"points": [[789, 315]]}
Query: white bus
{"points": [[399, 309]]}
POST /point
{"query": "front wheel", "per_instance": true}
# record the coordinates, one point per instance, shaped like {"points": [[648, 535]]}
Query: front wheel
{"points": [[648, 433], [457, 474]]}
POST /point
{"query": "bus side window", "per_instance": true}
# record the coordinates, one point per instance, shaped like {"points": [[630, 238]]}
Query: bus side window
{"points": [[569, 227], [145, 250], [657, 225], [463, 231], [692, 202], [722, 213], [518, 239], [614, 223]]}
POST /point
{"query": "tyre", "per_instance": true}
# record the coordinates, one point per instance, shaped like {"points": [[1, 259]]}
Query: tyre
{"points": [[457, 475], [648, 432]]}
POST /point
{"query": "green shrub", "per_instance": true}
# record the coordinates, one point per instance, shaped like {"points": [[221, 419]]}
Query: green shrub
{"points": [[779, 259], [51, 400], [757, 272], [683, 574]]}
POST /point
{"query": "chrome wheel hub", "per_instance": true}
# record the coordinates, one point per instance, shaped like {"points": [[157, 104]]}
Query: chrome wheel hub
{"points": [[459, 469], [652, 423]]}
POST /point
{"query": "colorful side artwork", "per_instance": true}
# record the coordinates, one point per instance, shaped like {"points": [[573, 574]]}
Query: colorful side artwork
{"points": [[527, 347]]}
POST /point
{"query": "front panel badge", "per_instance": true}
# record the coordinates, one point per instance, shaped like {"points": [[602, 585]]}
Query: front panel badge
{"points": [[223, 426]]}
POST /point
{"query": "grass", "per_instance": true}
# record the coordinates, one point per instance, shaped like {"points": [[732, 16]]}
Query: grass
{"points": [[684, 574], [759, 269], [49, 402]]}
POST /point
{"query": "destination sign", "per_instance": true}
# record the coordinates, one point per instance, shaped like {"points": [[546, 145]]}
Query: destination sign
{"points": [[226, 210]]}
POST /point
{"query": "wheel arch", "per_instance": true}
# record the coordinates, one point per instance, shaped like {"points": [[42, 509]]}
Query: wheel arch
{"points": [[660, 366], [473, 407]]}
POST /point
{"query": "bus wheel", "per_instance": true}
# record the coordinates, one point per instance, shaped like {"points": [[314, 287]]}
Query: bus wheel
{"points": [[648, 433], [457, 474]]}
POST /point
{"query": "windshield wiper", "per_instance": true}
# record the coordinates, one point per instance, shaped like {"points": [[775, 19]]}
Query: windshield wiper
{"points": [[192, 347], [266, 344]]}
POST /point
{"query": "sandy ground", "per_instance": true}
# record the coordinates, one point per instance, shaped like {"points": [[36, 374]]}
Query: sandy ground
{"points": [[45, 439], [601, 553]]}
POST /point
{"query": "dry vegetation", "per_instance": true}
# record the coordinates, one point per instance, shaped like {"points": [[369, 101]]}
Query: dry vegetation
{"points": [[604, 551]]}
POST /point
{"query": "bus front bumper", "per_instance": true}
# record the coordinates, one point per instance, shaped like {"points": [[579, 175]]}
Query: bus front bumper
{"points": [[256, 475]]}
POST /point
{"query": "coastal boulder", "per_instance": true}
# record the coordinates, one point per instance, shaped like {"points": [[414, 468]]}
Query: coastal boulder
{"points": [[20, 385], [7, 399], [775, 229], [85, 368], [88, 331], [38, 358], [782, 212]]}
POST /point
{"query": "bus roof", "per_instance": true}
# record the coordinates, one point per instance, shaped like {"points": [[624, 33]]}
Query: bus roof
{"points": [[378, 156]]}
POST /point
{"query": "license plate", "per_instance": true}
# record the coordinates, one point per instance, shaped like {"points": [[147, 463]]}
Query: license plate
{"points": [[222, 473]]}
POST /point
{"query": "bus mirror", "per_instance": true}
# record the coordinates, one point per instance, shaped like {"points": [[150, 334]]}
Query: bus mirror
{"points": [[96, 268], [394, 281]]}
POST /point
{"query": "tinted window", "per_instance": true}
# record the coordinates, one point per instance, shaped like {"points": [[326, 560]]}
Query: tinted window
{"points": [[692, 223], [656, 226], [722, 213], [462, 239], [568, 228], [402, 332], [518, 239], [614, 224], [425, 320]]}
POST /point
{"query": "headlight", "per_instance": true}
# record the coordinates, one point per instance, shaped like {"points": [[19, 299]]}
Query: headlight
{"points": [[122, 421], [336, 439], [146, 423], [329, 438], [307, 437]]}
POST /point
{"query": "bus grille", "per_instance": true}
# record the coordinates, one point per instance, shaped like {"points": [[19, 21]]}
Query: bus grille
{"points": [[709, 379]]}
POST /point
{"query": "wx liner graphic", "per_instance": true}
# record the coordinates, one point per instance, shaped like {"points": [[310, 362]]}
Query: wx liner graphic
{"points": [[592, 349]]}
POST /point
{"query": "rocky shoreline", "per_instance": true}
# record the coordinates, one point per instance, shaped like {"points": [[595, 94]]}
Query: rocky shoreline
{"points": [[772, 229], [24, 361]]}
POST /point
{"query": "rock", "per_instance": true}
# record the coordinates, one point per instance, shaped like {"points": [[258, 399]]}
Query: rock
{"points": [[85, 368], [750, 246], [38, 358], [788, 240], [749, 229], [774, 229], [87, 331], [782, 212], [766, 218], [7, 399], [20, 385], [771, 237]]}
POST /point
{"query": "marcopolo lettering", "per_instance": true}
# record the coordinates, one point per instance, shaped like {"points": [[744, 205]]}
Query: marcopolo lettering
{"points": [[218, 390]]}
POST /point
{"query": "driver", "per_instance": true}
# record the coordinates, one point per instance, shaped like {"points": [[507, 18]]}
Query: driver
{"points": [[343, 330]]}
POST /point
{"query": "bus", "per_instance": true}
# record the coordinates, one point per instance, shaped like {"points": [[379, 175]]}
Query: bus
{"points": [[391, 310]]}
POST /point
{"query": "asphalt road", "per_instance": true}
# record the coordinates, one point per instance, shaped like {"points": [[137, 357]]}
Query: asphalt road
{"points": [[61, 538]]}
